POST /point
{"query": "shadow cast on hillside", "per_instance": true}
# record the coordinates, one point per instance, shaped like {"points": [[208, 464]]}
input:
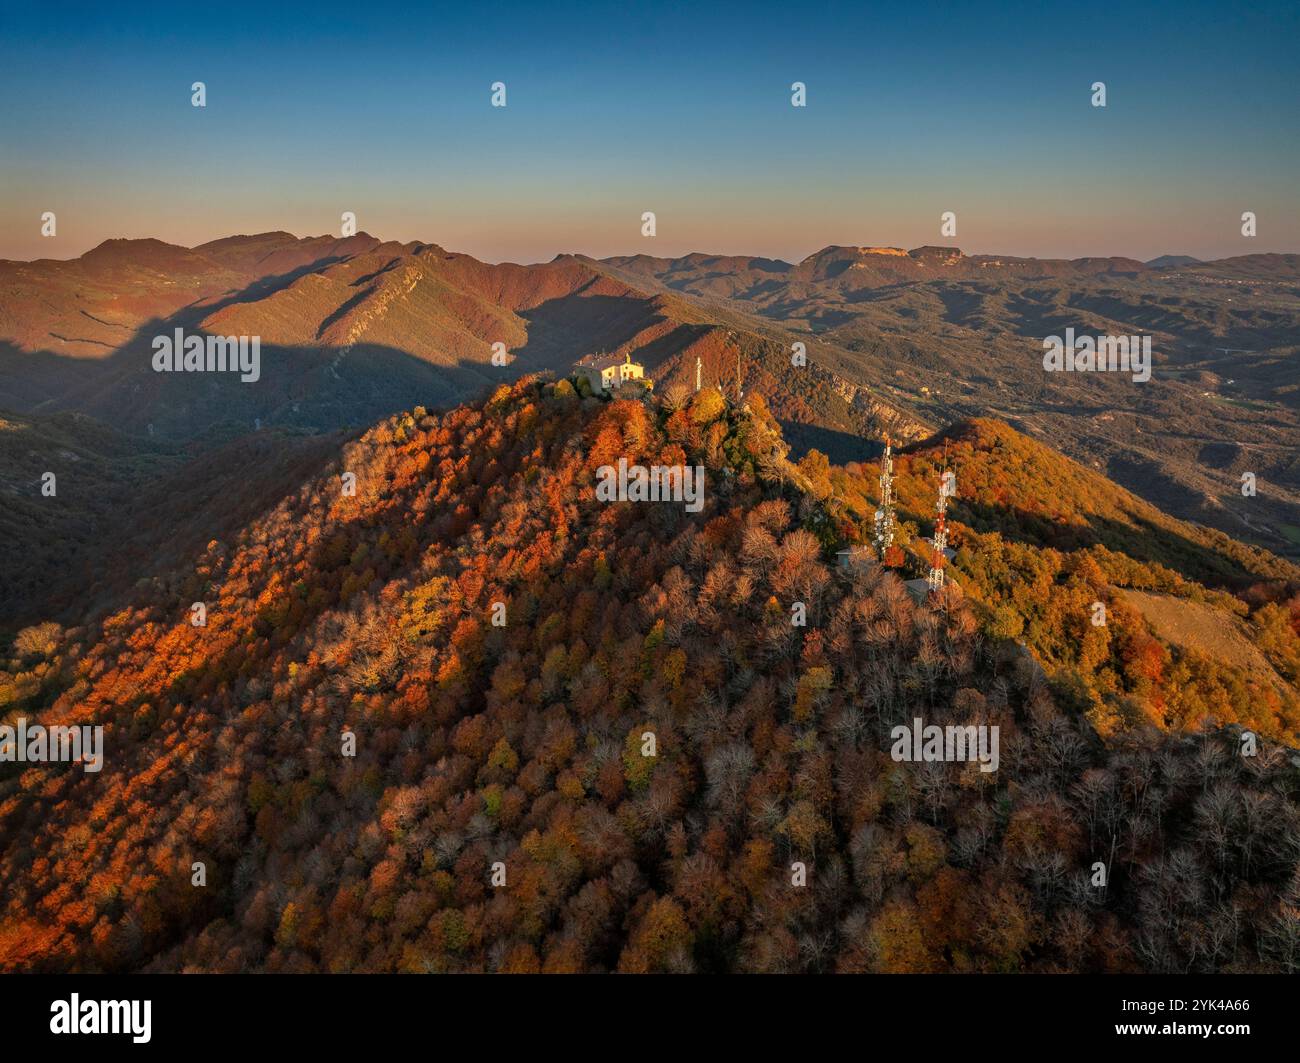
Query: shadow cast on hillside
{"points": [[563, 329], [303, 399], [327, 389], [840, 446], [264, 286], [308, 387]]}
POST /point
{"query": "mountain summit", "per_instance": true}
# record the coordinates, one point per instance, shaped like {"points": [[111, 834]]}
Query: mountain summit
{"points": [[473, 669]]}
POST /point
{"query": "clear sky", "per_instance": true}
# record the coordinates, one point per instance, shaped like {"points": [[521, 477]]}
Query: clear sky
{"points": [[679, 108]]}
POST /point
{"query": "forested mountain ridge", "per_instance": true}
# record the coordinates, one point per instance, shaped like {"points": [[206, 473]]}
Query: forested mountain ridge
{"points": [[947, 337], [355, 329], [370, 615]]}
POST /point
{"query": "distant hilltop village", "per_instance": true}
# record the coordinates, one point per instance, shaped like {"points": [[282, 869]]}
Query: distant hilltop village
{"points": [[606, 373]]}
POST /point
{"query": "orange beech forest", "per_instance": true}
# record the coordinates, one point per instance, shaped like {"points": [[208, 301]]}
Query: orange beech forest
{"points": [[514, 752]]}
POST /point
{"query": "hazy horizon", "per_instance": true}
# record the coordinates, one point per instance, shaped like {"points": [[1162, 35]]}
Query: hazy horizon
{"points": [[709, 252], [684, 111]]}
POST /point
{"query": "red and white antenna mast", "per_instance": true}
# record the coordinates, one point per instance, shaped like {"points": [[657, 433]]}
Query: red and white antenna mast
{"points": [[947, 487]]}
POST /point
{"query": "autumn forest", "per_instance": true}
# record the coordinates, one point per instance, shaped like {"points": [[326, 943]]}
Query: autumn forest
{"points": [[466, 717]]}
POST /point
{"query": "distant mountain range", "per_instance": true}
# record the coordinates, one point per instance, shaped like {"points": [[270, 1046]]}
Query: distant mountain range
{"points": [[899, 341]]}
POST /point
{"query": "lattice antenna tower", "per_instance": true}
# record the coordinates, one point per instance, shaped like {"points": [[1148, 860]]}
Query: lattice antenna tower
{"points": [[936, 576]]}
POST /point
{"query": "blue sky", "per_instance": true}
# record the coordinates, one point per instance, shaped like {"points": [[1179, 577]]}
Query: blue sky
{"points": [[683, 109]]}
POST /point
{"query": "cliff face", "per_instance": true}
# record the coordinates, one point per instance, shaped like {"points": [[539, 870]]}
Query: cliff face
{"points": [[898, 424]]}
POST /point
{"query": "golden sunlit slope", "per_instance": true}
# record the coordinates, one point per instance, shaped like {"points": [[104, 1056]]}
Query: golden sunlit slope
{"points": [[90, 306], [351, 330], [1040, 542]]}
